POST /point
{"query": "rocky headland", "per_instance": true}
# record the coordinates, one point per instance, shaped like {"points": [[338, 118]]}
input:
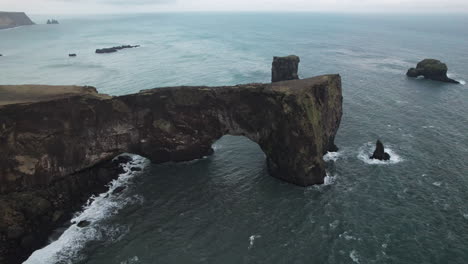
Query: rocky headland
{"points": [[431, 69], [14, 19], [58, 142]]}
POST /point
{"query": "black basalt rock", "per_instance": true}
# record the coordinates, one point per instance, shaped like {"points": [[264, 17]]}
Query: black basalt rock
{"points": [[115, 49], [285, 68], [431, 69], [83, 223], [379, 152]]}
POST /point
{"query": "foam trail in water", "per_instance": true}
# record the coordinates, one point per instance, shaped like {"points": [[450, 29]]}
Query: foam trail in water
{"points": [[252, 240], [366, 151], [67, 248], [462, 82], [354, 256]]}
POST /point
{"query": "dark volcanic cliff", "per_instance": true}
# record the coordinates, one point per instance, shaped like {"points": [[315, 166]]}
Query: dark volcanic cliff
{"points": [[49, 143], [14, 19]]}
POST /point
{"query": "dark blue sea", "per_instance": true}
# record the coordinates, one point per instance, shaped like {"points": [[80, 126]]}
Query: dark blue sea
{"points": [[225, 208]]}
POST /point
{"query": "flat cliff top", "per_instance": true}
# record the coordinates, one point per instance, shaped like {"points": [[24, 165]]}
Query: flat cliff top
{"points": [[18, 94], [287, 87]]}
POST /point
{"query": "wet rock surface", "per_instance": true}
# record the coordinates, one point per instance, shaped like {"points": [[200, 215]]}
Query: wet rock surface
{"points": [[285, 68], [431, 69]]}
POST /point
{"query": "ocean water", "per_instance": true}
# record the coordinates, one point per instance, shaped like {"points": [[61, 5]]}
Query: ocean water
{"points": [[225, 208]]}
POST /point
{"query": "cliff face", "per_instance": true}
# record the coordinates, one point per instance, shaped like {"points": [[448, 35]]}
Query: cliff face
{"points": [[56, 144], [14, 19], [294, 123]]}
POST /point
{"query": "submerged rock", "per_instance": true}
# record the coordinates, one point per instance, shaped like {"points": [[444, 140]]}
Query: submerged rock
{"points": [[83, 223], [379, 152], [135, 169], [72, 55], [115, 49], [431, 69], [285, 68], [118, 190]]}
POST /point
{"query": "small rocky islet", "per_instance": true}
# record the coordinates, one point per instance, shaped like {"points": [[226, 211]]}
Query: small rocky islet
{"points": [[431, 69]]}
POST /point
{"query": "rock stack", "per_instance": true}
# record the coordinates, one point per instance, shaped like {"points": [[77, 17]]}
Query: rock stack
{"points": [[285, 68], [379, 152]]}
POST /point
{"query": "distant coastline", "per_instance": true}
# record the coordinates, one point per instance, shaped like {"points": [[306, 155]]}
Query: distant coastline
{"points": [[14, 19]]}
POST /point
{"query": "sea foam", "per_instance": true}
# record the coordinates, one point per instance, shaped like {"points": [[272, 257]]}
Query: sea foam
{"points": [[366, 151], [66, 249], [332, 156]]}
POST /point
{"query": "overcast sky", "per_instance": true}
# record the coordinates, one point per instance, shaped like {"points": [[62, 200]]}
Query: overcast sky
{"points": [[126, 6]]}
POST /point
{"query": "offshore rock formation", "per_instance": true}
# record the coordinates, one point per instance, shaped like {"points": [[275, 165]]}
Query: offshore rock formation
{"points": [[285, 68], [57, 146], [431, 69], [115, 49], [379, 152], [52, 22], [14, 19]]}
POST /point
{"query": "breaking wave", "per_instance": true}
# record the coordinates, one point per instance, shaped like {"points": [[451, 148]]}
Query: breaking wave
{"points": [[366, 151], [332, 156], [67, 248]]}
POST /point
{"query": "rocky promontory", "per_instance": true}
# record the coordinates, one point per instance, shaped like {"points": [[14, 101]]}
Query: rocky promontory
{"points": [[431, 69], [14, 19], [57, 147]]}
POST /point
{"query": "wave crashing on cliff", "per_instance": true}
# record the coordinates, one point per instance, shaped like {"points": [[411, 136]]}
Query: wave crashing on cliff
{"points": [[366, 151], [67, 248]]}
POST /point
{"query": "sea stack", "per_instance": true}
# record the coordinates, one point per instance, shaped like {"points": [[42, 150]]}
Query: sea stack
{"points": [[285, 68], [52, 22], [431, 69], [379, 152]]}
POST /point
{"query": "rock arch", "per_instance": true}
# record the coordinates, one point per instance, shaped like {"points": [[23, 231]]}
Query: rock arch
{"points": [[294, 123]]}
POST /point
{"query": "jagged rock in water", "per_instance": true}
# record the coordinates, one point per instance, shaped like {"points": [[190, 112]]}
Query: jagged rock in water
{"points": [[285, 68], [431, 69], [379, 152], [59, 145], [52, 22], [115, 49]]}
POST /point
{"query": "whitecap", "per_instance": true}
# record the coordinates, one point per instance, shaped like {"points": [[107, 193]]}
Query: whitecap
{"points": [[438, 184], [333, 225], [462, 82], [354, 256], [332, 156], [347, 236], [252, 240], [67, 248], [365, 152], [329, 180], [132, 260]]}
